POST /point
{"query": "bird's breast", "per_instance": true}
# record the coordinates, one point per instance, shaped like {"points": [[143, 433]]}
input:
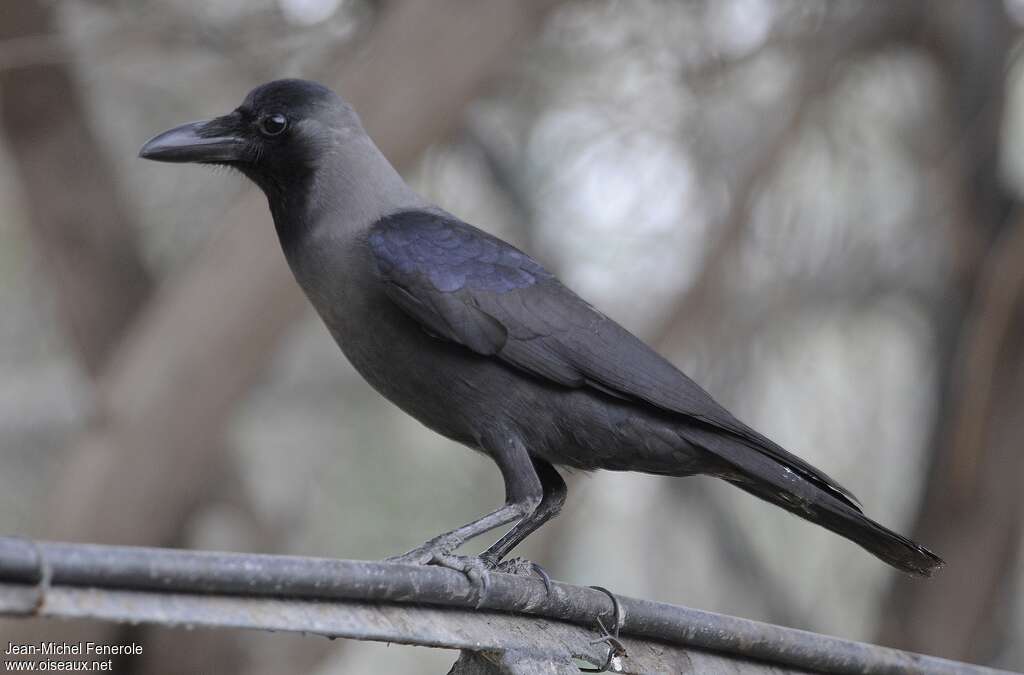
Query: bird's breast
{"points": [[439, 383]]}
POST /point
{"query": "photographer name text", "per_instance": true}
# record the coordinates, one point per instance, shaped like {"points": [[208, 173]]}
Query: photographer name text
{"points": [[72, 649]]}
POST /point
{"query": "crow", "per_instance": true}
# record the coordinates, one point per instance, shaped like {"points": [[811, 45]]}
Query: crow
{"points": [[480, 343]]}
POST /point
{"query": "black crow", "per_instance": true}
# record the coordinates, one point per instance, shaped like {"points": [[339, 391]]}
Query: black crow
{"points": [[480, 343]]}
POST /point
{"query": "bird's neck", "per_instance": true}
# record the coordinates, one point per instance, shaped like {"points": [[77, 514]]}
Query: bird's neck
{"points": [[354, 187]]}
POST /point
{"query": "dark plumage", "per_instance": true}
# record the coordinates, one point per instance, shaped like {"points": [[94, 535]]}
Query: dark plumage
{"points": [[479, 342]]}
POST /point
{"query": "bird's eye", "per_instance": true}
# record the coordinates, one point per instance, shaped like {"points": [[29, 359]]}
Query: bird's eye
{"points": [[273, 125]]}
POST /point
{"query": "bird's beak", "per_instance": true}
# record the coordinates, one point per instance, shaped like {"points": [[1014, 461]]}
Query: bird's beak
{"points": [[205, 141]]}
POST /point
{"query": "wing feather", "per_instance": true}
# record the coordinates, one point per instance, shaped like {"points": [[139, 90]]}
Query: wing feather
{"points": [[471, 288]]}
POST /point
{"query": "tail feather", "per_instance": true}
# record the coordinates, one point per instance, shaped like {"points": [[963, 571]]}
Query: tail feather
{"points": [[772, 481], [889, 546]]}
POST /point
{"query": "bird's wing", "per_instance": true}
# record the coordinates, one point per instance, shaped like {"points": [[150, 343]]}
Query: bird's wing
{"points": [[467, 286]]}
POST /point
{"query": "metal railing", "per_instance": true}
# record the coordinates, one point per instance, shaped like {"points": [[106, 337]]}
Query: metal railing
{"points": [[519, 627]]}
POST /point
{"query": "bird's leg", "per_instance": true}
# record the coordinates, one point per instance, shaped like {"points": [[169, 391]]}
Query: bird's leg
{"points": [[555, 492], [523, 494]]}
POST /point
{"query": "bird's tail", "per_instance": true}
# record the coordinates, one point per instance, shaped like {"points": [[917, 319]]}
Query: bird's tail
{"points": [[788, 487]]}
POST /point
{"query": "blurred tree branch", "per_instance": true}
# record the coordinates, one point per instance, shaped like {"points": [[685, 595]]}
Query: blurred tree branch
{"points": [[80, 226], [874, 28]]}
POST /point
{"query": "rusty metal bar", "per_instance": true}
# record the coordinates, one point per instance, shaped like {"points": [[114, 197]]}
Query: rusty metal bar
{"points": [[300, 594]]}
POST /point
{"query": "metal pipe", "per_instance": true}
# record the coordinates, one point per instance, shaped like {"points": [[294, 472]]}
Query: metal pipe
{"points": [[234, 574]]}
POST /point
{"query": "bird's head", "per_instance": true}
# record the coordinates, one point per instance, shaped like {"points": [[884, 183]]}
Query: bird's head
{"points": [[277, 137]]}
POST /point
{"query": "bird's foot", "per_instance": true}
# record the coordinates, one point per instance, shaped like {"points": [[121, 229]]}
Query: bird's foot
{"points": [[522, 567], [424, 554], [476, 569], [438, 552]]}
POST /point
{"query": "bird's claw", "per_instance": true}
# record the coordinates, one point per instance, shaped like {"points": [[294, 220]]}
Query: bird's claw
{"points": [[438, 553], [523, 567], [476, 569]]}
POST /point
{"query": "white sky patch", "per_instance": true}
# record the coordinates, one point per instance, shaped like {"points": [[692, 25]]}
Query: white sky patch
{"points": [[741, 26], [623, 204], [308, 12], [635, 182]]}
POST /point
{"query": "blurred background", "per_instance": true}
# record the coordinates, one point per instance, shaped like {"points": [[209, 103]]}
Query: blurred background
{"points": [[812, 208]]}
